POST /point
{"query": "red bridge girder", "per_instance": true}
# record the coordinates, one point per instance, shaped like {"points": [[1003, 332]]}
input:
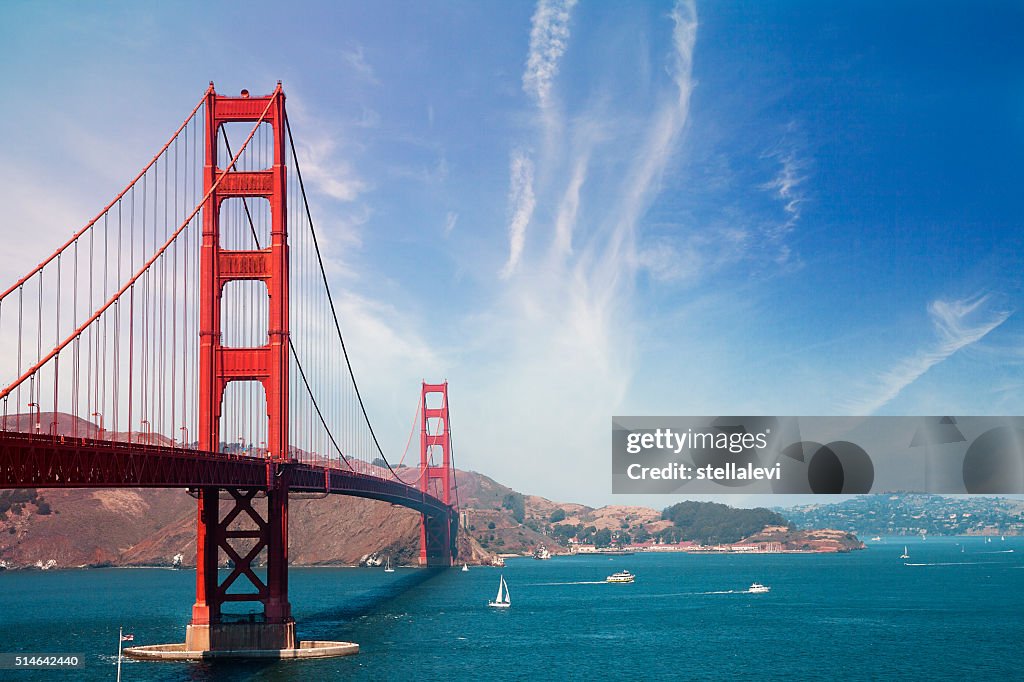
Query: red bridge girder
{"points": [[35, 461]]}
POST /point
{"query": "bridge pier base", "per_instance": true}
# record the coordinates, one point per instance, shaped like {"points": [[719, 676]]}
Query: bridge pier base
{"points": [[179, 652], [240, 636]]}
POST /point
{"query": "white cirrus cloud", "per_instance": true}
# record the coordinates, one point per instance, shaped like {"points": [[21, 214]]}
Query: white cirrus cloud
{"points": [[958, 324], [521, 202], [565, 327], [356, 61], [787, 188], [549, 39], [645, 180], [450, 221], [326, 172], [569, 207]]}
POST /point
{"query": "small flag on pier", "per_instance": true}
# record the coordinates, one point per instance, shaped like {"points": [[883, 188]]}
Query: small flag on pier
{"points": [[127, 638]]}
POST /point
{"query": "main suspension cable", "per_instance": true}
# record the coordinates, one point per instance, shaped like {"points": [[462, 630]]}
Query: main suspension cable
{"points": [[330, 300]]}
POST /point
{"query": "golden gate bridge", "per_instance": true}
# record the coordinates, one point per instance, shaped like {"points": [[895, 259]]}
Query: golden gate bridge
{"points": [[186, 337]]}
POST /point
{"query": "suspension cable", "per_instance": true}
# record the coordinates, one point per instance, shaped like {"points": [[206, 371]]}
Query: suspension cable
{"points": [[330, 300]]}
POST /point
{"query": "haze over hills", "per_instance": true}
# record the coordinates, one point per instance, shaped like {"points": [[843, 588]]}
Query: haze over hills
{"points": [[914, 513]]}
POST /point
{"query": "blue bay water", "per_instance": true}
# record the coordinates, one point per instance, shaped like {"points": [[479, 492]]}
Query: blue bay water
{"points": [[863, 615]]}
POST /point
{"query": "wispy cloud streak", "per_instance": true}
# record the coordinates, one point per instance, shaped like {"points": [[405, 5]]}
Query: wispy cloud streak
{"points": [[326, 171], [569, 208], [661, 143], [356, 61], [958, 324], [521, 202], [450, 221], [786, 184], [549, 39]]}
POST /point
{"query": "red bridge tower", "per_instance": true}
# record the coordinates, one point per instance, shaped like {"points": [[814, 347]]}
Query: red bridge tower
{"points": [[437, 535], [272, 627]]}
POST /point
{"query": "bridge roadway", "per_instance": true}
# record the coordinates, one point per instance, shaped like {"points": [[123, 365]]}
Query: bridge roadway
{"points": [[44, 461]]}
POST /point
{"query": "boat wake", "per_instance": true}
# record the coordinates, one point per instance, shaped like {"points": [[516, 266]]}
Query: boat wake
{"points": [[578, 582], [998, 551], [955, 563]]}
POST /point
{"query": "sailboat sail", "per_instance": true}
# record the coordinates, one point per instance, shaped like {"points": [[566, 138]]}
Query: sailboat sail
{"points": [[501, 591], [503, 599]]}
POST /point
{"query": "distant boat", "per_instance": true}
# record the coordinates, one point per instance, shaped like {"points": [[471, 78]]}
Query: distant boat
{"points": [[504, 599], [758, 588], [906, 553], [387, 566], [1002, 538], [465, 567], [876, 539], [620, 577]]}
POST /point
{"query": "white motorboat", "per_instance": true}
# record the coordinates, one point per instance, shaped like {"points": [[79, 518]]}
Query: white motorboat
{"points": [[758, 588], [621, 577]]}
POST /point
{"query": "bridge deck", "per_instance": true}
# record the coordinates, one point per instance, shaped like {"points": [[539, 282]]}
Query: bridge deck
{"points": [[39, 461]]}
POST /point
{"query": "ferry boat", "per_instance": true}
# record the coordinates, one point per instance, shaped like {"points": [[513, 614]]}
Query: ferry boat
{"points": [[758, 588], [504, 599], [620, 577]]}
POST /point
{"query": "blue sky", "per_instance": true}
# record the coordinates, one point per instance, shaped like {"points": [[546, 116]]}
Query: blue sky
{"points": [[575, 210]]}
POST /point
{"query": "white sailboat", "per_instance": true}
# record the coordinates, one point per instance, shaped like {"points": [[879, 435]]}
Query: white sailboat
{"points": [[906, 553], [387, 566], [465, 567], [504, 599]]}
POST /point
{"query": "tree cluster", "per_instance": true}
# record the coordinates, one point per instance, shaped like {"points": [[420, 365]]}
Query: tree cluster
{"points": [[711, 523]]}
